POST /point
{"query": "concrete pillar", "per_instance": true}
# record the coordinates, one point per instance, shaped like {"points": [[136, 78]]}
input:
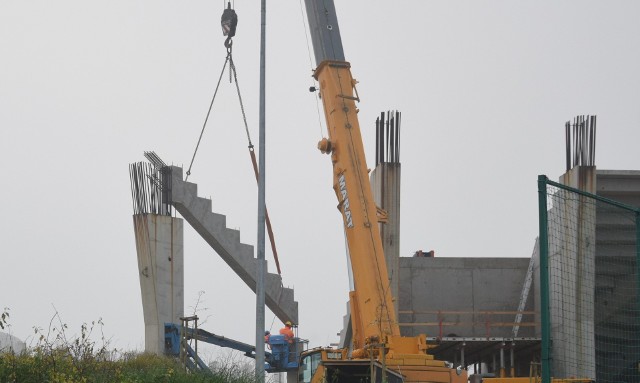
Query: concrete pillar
{"points": [[572, 279], [385, 182], [159, 244], [494, 365], [512, 364], [503, 369]]}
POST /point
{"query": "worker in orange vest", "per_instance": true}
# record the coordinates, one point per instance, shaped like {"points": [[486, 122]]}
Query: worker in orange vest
{"points": [[287, 332], [288, 336]]}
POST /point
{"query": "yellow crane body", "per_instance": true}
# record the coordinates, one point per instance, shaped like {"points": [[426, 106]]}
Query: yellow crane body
{"points": [[376, 333], [378, 353], [372, 300]]}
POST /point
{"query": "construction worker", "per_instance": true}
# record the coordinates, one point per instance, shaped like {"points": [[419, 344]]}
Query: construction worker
{"points": [[287, 332], [267, 336]]}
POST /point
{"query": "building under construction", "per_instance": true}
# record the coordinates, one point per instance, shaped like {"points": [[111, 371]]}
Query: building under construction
{"points": [[490, 315]]}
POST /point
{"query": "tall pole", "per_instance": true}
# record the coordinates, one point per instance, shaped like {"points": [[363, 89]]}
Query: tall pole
{"points": [[261, 208], [544, 279]]}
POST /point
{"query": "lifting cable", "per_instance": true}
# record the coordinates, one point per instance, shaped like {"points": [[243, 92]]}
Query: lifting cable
{"points": [[204, 125], [232, 71]]}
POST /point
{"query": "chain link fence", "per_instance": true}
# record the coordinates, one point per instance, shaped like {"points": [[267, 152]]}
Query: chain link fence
{"points": [[589, 286]]}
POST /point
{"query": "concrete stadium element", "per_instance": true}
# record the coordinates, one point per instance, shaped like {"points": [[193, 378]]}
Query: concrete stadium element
{"points": [[572, 279], [159, 245], [226, 242], [615, 248], [462, 297], [385, 182], [11, 344], [468, 297], [615, 251]]}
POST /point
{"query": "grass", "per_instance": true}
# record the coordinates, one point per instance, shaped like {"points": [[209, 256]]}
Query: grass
{"points": [[57, 359], [58, 366]]}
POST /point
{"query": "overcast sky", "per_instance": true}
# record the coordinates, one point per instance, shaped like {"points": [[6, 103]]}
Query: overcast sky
{"points": [[484, 89]]}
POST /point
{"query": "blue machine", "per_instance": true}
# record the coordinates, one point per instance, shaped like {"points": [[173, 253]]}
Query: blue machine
{"points": [[283, 356]]}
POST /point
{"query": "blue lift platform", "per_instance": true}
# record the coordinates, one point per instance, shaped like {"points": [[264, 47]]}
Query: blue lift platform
{"points": [[284, 356]]}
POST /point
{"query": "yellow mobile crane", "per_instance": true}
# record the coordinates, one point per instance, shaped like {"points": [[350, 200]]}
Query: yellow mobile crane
{"points": [[378, 353]]}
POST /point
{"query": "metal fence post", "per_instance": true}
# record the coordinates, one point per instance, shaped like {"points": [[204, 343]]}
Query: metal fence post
{"points": [[544, 280], [638, 262]]}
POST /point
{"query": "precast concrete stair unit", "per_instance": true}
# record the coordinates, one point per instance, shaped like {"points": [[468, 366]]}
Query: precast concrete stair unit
{"points": [[226, 242]]}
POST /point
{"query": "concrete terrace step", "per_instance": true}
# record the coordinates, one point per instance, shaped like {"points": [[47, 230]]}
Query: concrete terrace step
{"points": [[226, 242]]}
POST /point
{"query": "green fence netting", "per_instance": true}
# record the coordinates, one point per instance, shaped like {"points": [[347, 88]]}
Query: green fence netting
{"points": [[589, 286]]}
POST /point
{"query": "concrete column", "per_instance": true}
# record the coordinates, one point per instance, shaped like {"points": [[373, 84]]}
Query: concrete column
{"points": [[385, 182], [572, 279], [503, 370], [512, 365], [494, 365], [159, 245]]}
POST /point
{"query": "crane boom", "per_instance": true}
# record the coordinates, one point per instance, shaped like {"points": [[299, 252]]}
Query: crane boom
{"points": [[371, 301], [376, 333]]}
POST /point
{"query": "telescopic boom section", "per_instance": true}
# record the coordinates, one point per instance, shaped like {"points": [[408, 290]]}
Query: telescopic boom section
{"points": [[372, 313], [373, 316], [376, 334]]}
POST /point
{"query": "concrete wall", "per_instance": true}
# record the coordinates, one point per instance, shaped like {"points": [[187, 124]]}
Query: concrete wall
{"points": [[620, 185], [617, 333], [159, 245], [615, 277], [458, 286], [11, 344], [572, 237], [451, 296]]}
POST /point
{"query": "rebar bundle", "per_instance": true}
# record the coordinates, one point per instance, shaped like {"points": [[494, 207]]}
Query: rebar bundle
{"points": [[581, 145], [150, 186]]}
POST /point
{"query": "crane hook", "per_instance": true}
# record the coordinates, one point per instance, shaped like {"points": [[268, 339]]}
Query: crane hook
{"points": [[229, 22]]}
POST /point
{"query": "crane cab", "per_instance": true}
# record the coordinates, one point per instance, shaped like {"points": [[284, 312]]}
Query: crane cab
{"points": [[334, 365]]}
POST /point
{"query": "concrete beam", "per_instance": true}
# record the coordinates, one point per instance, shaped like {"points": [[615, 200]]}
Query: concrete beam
{"points": [[226, 242]]}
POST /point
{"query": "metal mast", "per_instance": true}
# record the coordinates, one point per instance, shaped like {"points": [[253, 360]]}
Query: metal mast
{"points": [[260, 280]]}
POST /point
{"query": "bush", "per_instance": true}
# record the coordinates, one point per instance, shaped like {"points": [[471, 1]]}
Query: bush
{"points": [[58, 366], [56, 359]]}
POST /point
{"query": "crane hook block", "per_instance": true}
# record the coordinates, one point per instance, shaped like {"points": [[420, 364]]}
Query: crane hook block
{"points": [[229, 21], [325, 146]]}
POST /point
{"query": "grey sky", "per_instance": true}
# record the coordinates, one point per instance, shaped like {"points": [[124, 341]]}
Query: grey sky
{"points": [[484, 88]]}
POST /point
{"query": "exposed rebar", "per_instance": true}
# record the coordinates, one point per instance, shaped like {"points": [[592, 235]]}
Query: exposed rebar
{"points": [[580, 141], [150, 186], [388, 138]]}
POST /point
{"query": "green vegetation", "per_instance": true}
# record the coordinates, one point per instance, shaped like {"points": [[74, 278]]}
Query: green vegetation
{"points": [[59, 366], [57, 359]]}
